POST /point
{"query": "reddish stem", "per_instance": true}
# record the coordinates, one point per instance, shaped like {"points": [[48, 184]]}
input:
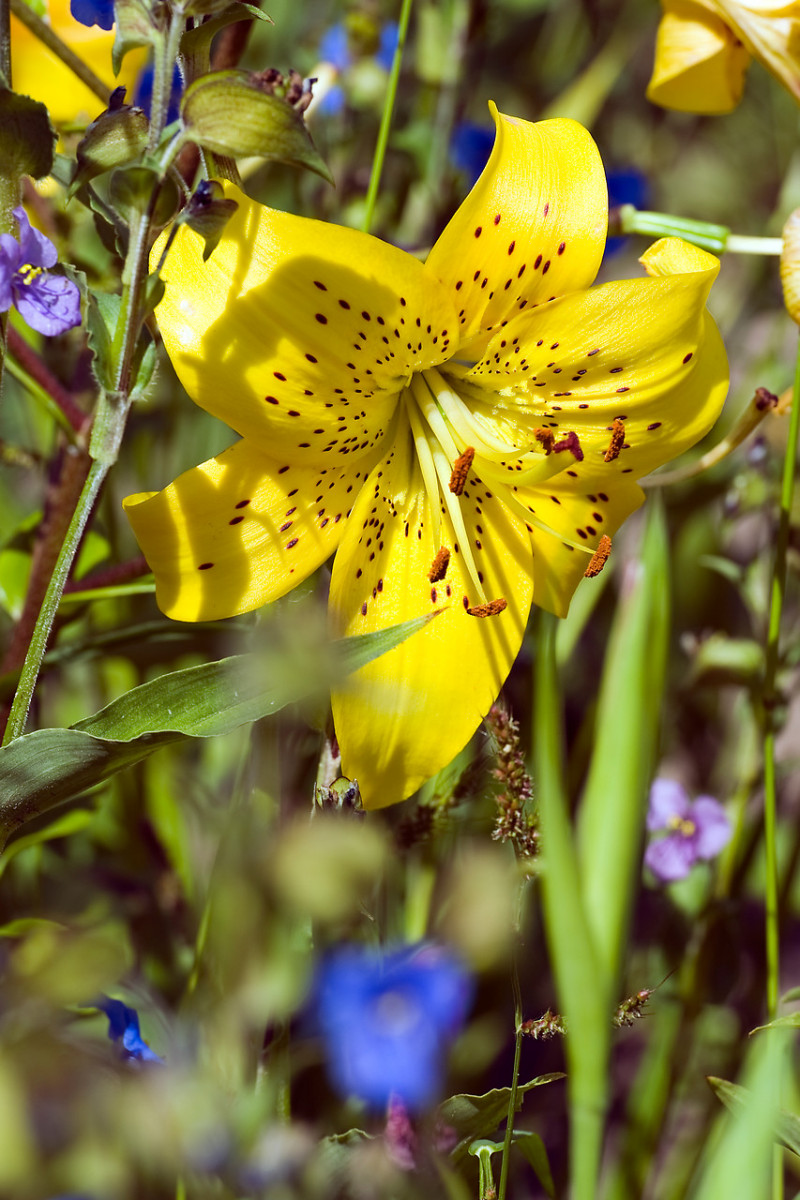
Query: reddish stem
{"points": [[30, 361]]}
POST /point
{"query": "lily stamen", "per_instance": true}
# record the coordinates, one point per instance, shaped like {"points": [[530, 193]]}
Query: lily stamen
{"points": [[461, 466], [491, 609], [439, 565], [572, 443], [546, 439], [599, 558], [617, 440]]}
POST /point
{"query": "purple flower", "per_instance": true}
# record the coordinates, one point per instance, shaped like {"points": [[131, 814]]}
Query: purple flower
{"points": [[123, 1029], [696, 829], [48, 303], [387, 1019]]}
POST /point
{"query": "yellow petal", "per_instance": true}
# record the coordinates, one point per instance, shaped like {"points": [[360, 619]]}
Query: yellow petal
{"points": [[643, 351], [700, 63], [299, 334], [533, 226], [771, 32], [240, 530], [572, 508], [405, 716], [41, 74]]}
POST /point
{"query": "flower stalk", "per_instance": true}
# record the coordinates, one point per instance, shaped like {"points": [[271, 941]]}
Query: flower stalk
{"points": [[386, 117], [717, 238], [106, 438]]}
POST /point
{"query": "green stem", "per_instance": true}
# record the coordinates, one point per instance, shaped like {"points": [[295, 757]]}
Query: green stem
{"points": [[386, 117], [777, 593], [5, 40], [52, 598], [713, 237], [61, 50], [167, 51], [512, 1100]]}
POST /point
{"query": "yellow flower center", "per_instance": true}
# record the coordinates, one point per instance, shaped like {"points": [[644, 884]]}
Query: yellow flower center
{"points": [[27, 273], [455, 433], [681, 825]]}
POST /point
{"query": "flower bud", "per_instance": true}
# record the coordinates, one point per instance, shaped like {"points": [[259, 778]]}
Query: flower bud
{"points": [[239, 113], [208, 212], [116, 137]]}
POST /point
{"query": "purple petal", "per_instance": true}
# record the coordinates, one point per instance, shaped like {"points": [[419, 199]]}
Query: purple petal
{"points": [[10, 251], [34, 248], [713, 829], [50, 304], [668, 799], [671, 857], [6, 290]]}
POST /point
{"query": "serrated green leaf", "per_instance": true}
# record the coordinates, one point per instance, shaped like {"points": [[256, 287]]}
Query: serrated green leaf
{"points": [[42, 769], [479, 1116]]}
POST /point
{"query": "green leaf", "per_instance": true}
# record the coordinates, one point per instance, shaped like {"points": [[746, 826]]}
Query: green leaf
{"points": [[532, 1147], [27, 139], [479, 1116], [790, 1021], [42, 769], [739, 1099]]}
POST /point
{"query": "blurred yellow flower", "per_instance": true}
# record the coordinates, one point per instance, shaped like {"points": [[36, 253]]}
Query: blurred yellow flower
{"points": [[703, 49], [464, 434], [37, 72]]}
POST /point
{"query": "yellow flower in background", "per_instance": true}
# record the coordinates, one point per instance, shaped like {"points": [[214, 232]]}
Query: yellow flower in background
{"points": [[37, 72], [463, 434], [703, 49]]}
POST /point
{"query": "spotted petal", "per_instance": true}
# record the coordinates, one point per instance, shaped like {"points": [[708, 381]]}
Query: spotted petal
{"points": [[240, 530], [700, 64], [533, 226], [300, 334], [643, 351], [406, 715]]}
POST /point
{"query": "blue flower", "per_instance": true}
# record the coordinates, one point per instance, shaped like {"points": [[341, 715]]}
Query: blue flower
{"points": [[696, 830], [336, 52], [625, 187], [143, 92], [470, 147], [123, 1029], [387, 1019], [48, 303], [93, 12]]}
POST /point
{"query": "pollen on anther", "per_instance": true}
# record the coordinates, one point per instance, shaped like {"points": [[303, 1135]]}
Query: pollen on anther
{"points": [[599, 558], [439, 565], [617, 441], [460, 471], [546, 439], [488, 610]]}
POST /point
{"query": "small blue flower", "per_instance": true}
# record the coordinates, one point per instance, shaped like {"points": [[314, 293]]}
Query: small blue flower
{"points": [[123, 1030], [334, 46], [387, 1019], [143, 92], [625, 187], [698, 829], [93, 12], [470, 147], [387, 45], [48, 303]]}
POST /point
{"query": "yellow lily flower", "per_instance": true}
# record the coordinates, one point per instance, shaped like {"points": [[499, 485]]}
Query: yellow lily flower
{"points": [[37, 72], [463, 433], [703, 50]]}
